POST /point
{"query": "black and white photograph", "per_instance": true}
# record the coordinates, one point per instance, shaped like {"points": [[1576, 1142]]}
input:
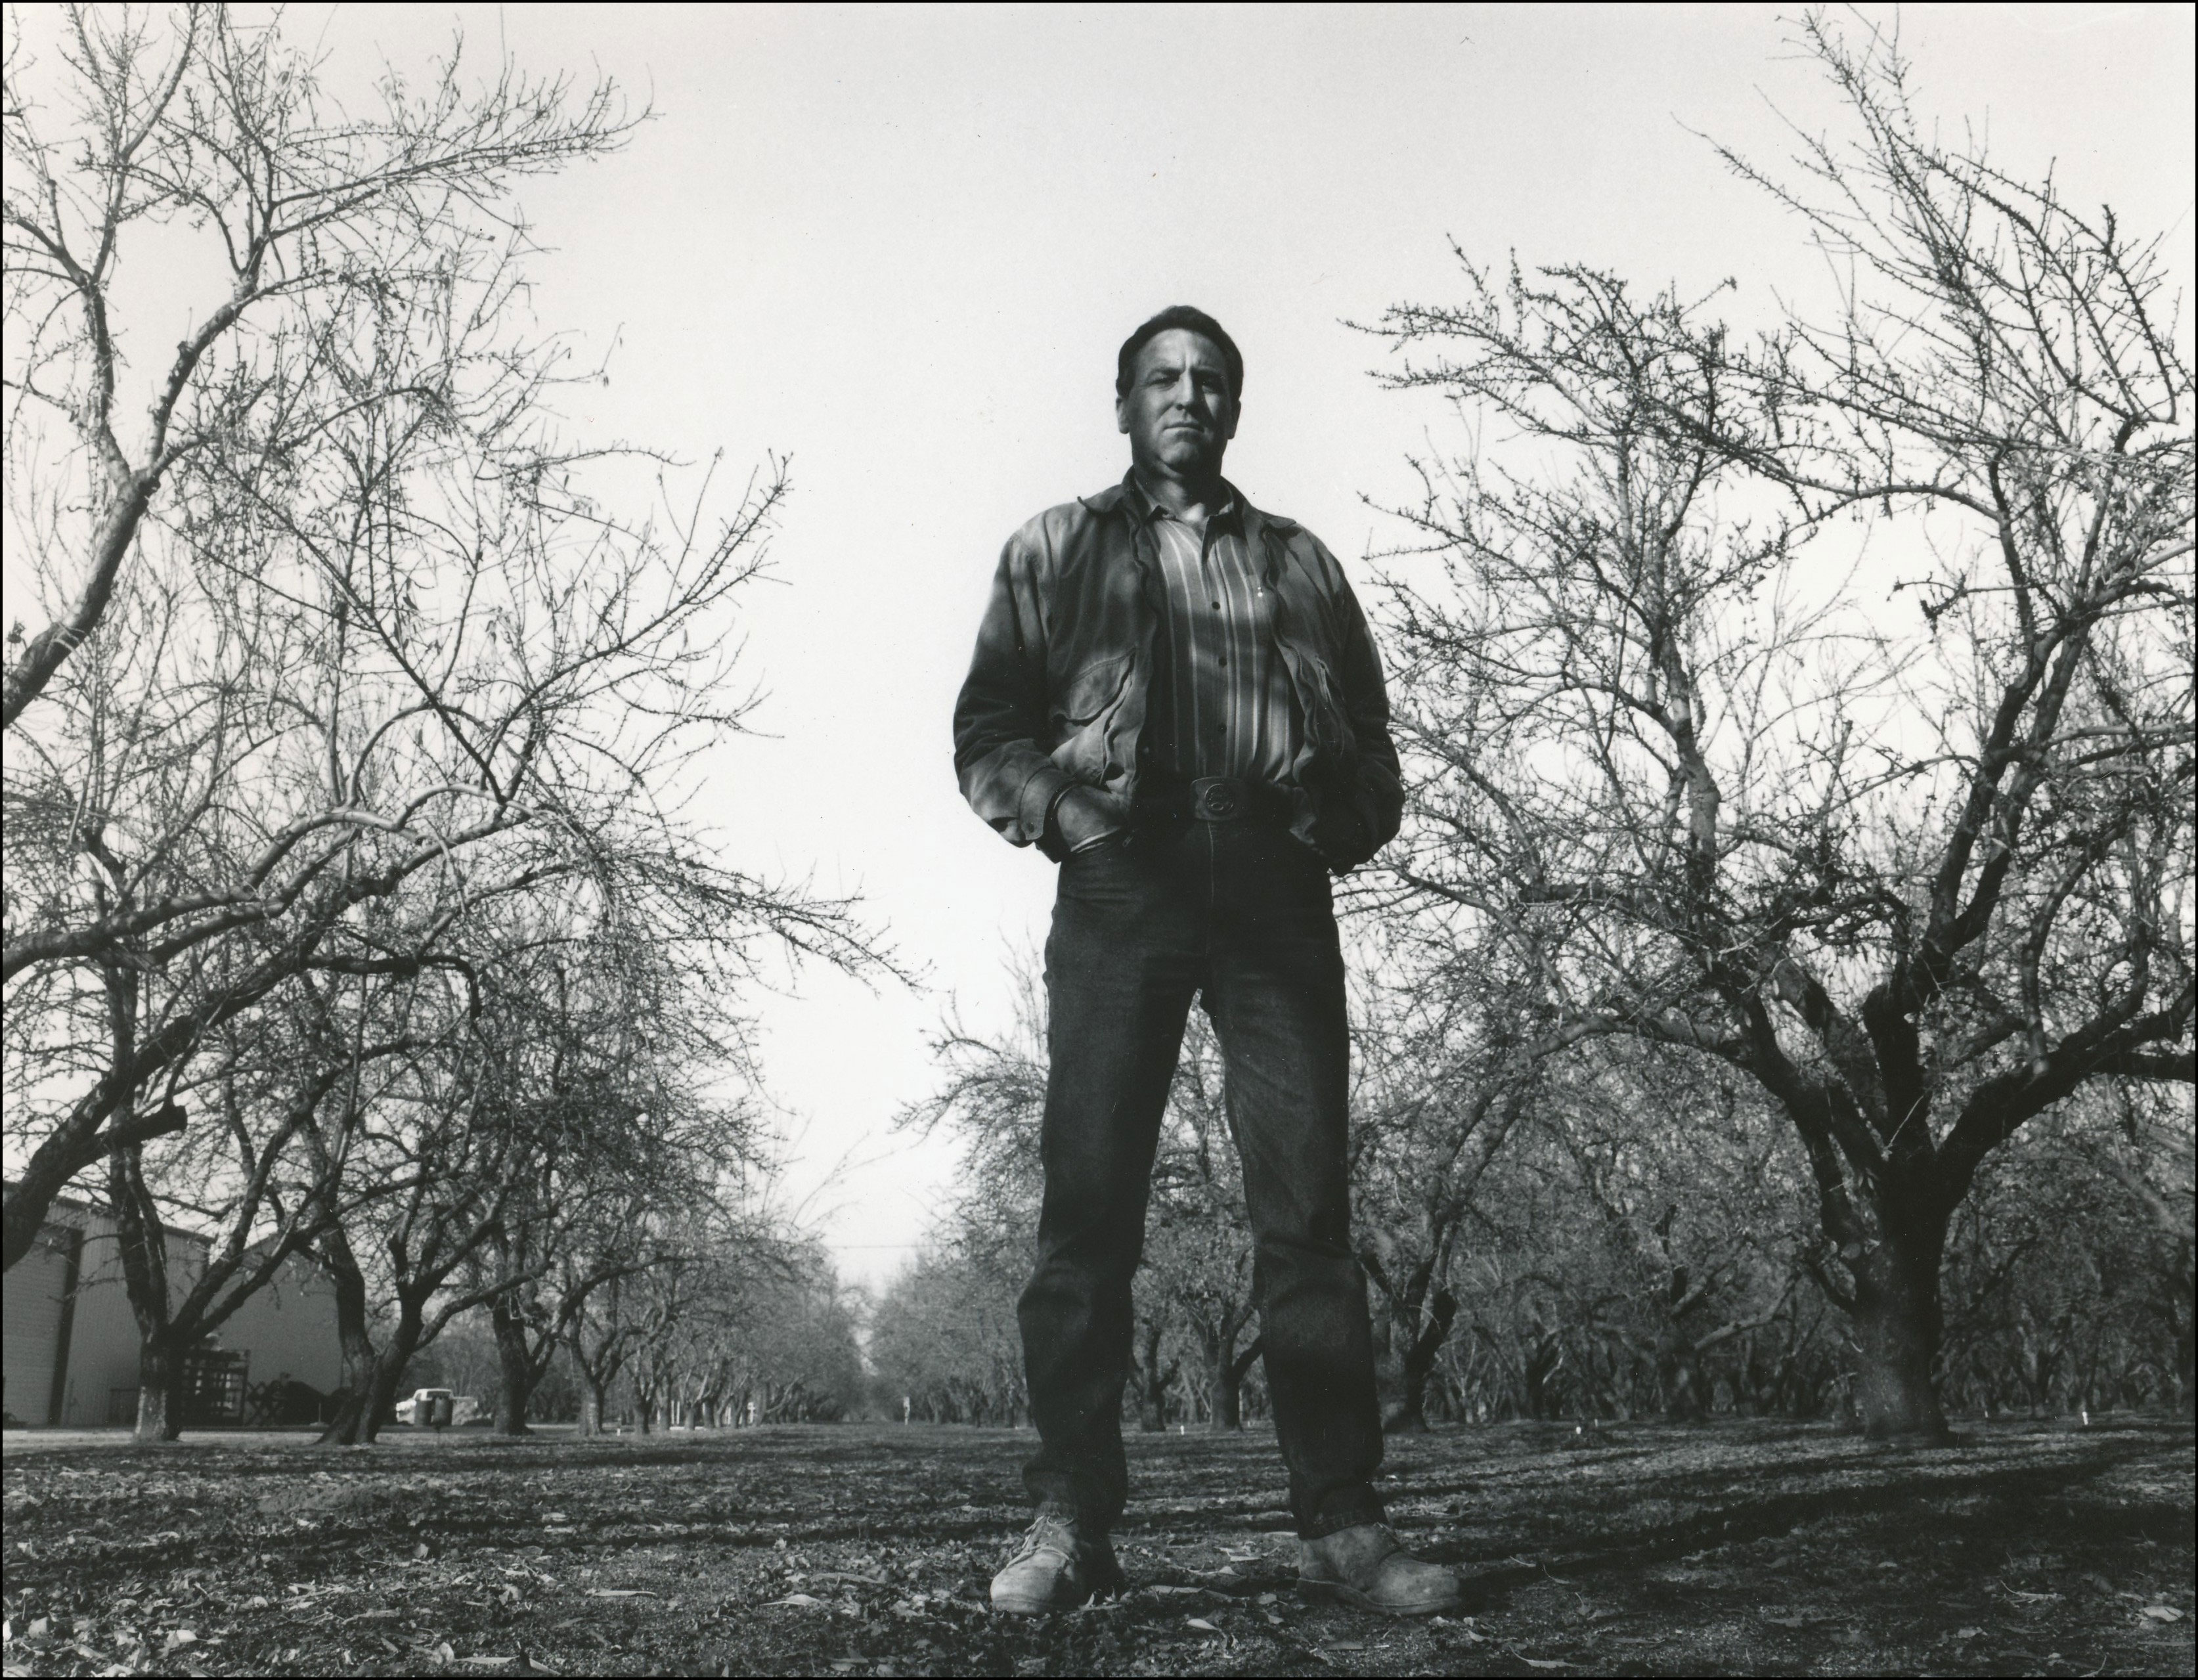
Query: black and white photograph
{"points": [[1099, 839]]}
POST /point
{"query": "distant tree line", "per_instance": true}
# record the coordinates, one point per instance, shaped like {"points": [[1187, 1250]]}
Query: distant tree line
{"points": [[1612, 1242], [751, 1328]]}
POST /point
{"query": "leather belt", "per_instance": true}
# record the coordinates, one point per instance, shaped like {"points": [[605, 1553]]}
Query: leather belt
{"points": [[1228, 798]]}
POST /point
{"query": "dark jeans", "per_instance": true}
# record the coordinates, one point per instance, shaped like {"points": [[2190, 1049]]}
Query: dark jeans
{"points": [[1240, 913]]}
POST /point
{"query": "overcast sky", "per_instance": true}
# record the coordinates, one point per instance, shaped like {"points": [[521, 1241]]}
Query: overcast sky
{"points": [[900, 246]]}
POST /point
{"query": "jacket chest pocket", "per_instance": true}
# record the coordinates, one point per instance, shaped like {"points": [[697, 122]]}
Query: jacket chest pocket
{"points": [[1327, 724], [1088, 694]]}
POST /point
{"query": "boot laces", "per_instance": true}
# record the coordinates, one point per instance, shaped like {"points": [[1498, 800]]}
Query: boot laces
{"points": [[1049, 1534]]}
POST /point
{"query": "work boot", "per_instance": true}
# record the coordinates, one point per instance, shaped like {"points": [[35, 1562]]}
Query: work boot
{"points": [[1057, 1568], [1366, 1567]]}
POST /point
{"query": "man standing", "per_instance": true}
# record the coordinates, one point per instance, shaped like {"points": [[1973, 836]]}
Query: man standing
{"points": [[1175, 696]]}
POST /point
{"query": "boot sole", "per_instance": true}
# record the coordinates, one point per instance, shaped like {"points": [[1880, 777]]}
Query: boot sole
{"points": [[1042, 1607], [1337, 1592]]}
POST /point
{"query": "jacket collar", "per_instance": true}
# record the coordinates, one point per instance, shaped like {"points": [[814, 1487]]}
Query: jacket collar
{"points": [[1128, 499]]}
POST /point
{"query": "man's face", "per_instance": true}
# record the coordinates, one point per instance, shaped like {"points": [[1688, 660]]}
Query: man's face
{"points": [[1178, 412]]}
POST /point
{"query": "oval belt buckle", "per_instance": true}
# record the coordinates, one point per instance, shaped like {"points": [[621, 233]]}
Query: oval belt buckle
{"points": [[1221, 801]]}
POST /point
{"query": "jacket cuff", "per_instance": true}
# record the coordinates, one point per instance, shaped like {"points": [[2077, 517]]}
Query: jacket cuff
{"points": [[1034, 808]]}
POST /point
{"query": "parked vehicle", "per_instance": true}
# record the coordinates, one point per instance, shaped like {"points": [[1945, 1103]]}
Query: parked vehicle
{"points": [[439, 1409]]}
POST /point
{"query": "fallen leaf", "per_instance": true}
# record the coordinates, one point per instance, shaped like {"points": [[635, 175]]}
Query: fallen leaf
{"points": [[800, 1601], [1787, 1621], [1201, 1624], [2162, 1613], [621, 1592], [175, 1642], [1549, 1662], [1969, 1633]]}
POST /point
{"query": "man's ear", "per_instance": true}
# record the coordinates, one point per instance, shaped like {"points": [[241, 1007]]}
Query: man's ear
{"points": [[1121, 412], [1235, 414]]}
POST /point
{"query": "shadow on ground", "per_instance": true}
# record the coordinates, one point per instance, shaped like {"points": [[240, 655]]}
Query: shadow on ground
{"points": [[1738, 1548]]}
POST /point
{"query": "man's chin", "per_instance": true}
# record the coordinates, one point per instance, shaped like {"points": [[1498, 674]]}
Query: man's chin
{"points": [[1187, 458]]}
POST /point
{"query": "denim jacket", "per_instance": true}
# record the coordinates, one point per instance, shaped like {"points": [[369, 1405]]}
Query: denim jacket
{"points": [[1057, 692]]}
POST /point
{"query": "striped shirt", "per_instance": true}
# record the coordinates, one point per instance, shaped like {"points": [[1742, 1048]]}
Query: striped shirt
{"points": [[1225, 707]]}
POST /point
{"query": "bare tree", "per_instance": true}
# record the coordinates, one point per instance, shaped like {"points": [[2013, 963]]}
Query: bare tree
{"points": [[1198, 1271], [197, 132], [944, 1339], [1450, 1053], [450, 674], [363, 325], [248, 1180], [1919, 880], [625, 1029], [631, 1311]]}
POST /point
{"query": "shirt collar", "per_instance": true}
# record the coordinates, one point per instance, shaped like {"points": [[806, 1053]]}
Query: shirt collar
{"points": [[1230, 513]]}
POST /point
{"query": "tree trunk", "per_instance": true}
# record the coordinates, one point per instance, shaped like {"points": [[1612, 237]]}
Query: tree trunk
{"points": [[2186, 1362], [389, 1370], [142, 1240], [1152, 1382], [1224, 1396], [1228, 1374], [1544, 1353], [344, 1429], [1679, 1375], [514, 1367], [2184, 1284], [159, 1411], [1896, 1326], [1409, 1414], [592, 1402]]}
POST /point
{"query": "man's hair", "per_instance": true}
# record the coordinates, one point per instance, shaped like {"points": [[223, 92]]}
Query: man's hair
{"points": [[1190, 321]]}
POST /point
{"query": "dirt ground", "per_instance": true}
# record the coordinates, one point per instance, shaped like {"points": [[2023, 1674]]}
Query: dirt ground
{"points": [[1736, 1548]]}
